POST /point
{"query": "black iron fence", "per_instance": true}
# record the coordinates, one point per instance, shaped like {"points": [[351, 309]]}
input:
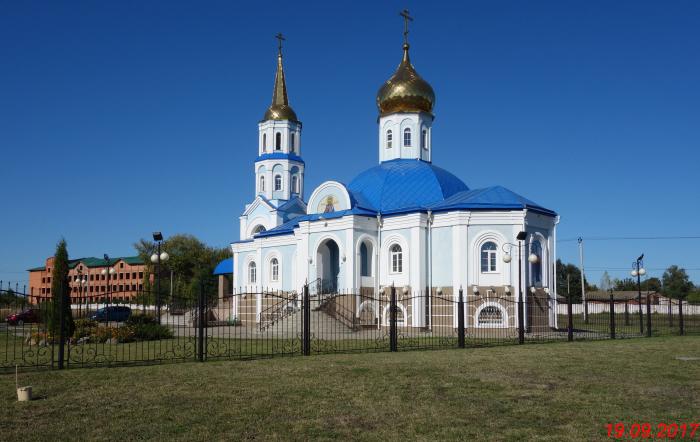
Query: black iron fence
{"points": [[257, 323]]}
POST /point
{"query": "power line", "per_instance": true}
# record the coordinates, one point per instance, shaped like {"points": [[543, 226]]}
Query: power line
{"points": [[627, 238]]}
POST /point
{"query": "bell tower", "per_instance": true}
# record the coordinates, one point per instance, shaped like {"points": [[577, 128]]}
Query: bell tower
{"points": [[279, 168]]}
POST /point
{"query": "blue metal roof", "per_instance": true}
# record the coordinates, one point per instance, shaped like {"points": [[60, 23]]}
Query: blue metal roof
{"points": [[280, 156], [403, 186], [489, 198], [225, 267]]}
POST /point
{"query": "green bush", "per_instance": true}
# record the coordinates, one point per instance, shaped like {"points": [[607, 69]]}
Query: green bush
{"points": [[141, 319], [84, 328], [151, 332]]}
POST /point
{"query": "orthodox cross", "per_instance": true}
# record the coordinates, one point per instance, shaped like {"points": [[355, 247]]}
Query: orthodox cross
{"points": [[406, 19], [280, 39]]}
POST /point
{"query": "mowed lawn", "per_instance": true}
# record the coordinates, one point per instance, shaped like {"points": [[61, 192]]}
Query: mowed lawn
{"points": [[557, 391]]}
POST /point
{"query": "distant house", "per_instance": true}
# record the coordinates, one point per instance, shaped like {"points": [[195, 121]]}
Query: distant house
{"points": [[627, 297]]}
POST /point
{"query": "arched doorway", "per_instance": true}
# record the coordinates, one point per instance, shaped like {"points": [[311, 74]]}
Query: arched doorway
{"points": [[328, 265]]}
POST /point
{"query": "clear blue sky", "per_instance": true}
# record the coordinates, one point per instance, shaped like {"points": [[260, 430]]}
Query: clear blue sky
{"points": [[120, 118]]}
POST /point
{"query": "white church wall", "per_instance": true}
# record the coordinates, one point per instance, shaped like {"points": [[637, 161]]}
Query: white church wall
{"points": [[397, 123], [442, 256], [387, 276]]}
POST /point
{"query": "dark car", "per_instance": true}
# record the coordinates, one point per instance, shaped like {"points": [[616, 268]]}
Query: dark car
{"points": [[111, 314], [29, 315]]}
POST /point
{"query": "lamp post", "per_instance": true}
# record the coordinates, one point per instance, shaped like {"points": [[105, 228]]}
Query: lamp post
{"points": [[158, 258], [638, 270], [107, 271], [532, 258], [80, 283]]}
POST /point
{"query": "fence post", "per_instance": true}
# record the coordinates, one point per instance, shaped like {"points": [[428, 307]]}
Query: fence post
{"points": [[521, 320], [680, 316], [200, 325], [306, 319], [393, 344], [570, 319], [612, 315], [670, 313], [648, 316], [585, 311], [627, 312], [61, 331], [460, 319]]}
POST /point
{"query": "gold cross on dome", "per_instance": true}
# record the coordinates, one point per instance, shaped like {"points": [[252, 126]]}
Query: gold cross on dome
{"points": [[406, 19]]}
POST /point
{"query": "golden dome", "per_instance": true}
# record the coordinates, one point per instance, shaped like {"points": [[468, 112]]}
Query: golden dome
{"points": [[280, 109], [405, 91]]}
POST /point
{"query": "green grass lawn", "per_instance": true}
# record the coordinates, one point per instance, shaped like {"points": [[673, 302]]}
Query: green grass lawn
{"points": [[563, 391]]}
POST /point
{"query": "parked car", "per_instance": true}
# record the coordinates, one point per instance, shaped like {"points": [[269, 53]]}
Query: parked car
{"points": [[111, 314], [29, 315]]}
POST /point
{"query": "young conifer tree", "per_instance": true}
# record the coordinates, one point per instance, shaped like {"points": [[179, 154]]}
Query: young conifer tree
{"points": [[60, 291]]}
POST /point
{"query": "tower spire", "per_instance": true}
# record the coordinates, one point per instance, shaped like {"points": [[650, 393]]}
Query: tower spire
{"points": [[279, 108], [279, 93]]}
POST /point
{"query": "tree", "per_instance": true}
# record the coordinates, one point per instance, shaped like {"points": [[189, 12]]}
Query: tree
{"points": [[190, 262], [676, 283], [60, 293], [605, 282], [573, 273]]}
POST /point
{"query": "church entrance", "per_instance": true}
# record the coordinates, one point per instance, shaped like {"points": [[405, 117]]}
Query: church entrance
{"points": [[328, 265]]}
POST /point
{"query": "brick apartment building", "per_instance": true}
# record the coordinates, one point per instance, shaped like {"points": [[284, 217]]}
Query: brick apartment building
{"points": [[87, 281]]}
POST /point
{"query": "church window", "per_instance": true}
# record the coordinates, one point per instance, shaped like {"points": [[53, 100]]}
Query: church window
{"points": [[536, 268], [488, 257], [262, 183], [407, 137], [295, 184], [252, 273], [274, 270], [396, 259], [264, 143], [278, 182], [258, 229], [389, 137], [490, 316], [278, 141], [365, 261], [424, 139], [291, 142]]}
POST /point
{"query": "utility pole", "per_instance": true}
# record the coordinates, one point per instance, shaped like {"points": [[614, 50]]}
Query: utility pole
{"points": [[583, 280]]}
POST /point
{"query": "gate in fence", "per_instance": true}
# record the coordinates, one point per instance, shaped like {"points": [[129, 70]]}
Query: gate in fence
{"points": [[259, 323]]}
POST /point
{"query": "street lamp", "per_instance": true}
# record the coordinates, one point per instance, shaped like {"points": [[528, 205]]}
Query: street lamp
{"points": [[107, 271], [80, 282], [638, 271], [158, 258], [533, 259]]}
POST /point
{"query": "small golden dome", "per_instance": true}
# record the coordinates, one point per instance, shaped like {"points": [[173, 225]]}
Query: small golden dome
{"points": [[405, 91], [280, 108]]}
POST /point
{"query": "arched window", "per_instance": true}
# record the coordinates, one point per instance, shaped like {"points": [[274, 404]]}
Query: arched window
{"points": [[278, 141], [274, 270], [407, 137], [488, 257], [252, 273], [264, 143], [291, 141], [389, 137], [424, 139], [365, 261], [491, 316], [278, 182], [295, 184], [396, 259], [259, 228], [262, 183], [536, 268]]}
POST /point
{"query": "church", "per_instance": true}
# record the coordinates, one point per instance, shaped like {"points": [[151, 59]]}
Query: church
{"points": [[405, 222]]}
